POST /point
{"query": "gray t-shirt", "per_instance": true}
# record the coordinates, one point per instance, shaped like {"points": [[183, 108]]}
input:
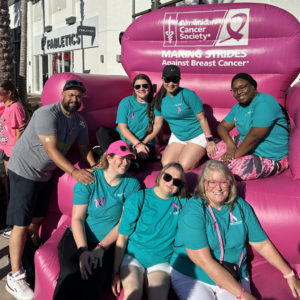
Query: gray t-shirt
{"points": [[29, 158]]}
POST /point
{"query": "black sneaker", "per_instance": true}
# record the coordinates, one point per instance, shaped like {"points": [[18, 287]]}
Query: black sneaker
{"points": [[97, 151], [134, 167]]}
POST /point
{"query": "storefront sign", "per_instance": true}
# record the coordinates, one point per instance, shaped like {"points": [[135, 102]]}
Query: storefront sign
{"points": [[86, 30], [77, 36]]}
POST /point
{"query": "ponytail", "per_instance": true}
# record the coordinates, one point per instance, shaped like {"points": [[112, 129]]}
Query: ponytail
{"points": [[103, 164], [158, 98], [150, 106]]}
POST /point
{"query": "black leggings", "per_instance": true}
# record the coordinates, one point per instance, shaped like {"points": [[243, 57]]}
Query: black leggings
{"points": [[106, 136], [70, 285]]}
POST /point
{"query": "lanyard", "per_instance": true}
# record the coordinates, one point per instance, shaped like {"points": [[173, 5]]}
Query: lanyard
{"points": [[220, 237]]}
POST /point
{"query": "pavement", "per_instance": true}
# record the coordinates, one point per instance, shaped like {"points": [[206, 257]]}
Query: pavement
{"points": [[4, 269]]}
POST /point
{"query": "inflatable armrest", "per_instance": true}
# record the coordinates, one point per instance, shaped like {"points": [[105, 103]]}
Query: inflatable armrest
{"points": [[293, 108]]}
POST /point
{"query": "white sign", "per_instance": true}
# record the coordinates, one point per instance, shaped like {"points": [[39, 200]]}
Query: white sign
{"points": [[66, 38]]}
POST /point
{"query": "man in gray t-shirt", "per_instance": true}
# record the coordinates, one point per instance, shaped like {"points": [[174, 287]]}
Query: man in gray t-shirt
{"points": [[41, 148]]}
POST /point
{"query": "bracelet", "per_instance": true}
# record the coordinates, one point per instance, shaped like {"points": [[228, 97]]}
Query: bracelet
{"points": [[115, 274], [102, 246], [289, 275], [242, 294], [208, 136], [137, 145], [73, 170]]}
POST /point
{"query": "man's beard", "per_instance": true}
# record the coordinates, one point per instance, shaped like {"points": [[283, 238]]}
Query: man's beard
{"points": [[66, 106]]}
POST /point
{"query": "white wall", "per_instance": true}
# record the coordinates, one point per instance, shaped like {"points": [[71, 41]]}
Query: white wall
{"points": [[114, 16]]}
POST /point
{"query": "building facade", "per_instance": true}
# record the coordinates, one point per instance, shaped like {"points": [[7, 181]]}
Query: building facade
{"points": [[82, 36]]}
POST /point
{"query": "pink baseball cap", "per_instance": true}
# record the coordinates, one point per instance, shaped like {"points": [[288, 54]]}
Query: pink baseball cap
{"points": [[120, 148]]}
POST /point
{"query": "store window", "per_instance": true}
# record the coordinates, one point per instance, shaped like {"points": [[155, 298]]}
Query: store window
{"points": [[49, 64]]}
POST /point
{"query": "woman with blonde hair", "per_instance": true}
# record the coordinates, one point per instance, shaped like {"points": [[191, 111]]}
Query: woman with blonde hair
{"points": [[209, 261], [86, 250], [147, 232]]}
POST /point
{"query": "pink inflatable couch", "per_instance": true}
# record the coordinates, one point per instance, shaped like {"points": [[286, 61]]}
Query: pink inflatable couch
{"points": [[210, 43]]}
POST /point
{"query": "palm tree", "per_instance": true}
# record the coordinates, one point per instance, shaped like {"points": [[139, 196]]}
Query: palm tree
{"points": [[6, 54], [23, 55]]}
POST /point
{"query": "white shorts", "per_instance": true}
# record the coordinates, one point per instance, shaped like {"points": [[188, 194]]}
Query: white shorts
{"points": [[198, 140], [187, 288], [129, 260]]}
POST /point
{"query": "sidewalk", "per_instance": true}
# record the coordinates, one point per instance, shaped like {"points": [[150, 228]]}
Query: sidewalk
{"points": [[4, 269], [34, 99]]}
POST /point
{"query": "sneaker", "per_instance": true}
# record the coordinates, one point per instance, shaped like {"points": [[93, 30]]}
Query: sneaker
{"points": [[97, 151], [7, 232], [134, 167], [17, 286]]}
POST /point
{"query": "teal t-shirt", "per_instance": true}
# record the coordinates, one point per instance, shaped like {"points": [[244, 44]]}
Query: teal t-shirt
{"points": [[105, 203], [181, 114], [194, 232], [134, 114], [263, 111], [151, 227]]}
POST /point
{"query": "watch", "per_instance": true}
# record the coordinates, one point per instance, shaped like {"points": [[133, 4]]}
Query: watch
{"points": [[81, 250], [115, 274], [209, 139]]}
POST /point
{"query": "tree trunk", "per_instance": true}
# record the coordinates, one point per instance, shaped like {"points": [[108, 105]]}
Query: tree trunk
{"points": [[23, 55], [6, 54]]}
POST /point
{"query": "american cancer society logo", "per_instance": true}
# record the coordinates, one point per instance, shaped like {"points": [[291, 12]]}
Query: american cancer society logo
{"points": [[207, 28]]}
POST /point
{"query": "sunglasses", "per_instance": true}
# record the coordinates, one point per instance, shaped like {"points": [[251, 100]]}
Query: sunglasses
{"points": [[167, 177], [123, 148], [170, 79], [138, 86], [222, 183]]}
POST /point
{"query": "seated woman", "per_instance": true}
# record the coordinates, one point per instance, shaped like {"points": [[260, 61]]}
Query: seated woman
{"points": [[135, 120], [183, 110], [86, 250], [260, 150], [147, 231], [209, 261]]}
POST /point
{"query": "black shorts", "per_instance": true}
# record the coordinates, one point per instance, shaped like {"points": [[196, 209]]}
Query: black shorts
{"points": [[2, 168], [27, 199]]}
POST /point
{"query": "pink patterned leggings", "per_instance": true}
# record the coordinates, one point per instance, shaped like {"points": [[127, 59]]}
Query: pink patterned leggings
{"points": [[250, 166]]}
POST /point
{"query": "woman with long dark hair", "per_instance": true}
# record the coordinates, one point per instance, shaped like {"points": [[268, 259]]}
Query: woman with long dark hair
{"points": [[137, 121], [183, 110]]}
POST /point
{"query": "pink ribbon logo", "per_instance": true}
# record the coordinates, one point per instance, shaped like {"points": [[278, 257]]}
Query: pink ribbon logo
{"points": [[232, 217], [236, 34], [179, 110], [132, 116], [99, 203], [176, 207]]}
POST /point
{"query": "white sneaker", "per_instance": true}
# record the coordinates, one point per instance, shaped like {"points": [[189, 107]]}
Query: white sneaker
{"points": [[17, 285], [7, 232]]}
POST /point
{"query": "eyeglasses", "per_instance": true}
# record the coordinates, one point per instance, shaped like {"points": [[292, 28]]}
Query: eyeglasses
{"points": [[138, 86], [167, 177], [241, 88], [221, 183], [170, 79]]}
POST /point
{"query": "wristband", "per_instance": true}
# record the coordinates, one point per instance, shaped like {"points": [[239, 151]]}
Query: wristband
{"points": [[137, 145], [102, 246], [73, 171], [115, 274], [289, 275], [242, 294], [208, 136]]}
